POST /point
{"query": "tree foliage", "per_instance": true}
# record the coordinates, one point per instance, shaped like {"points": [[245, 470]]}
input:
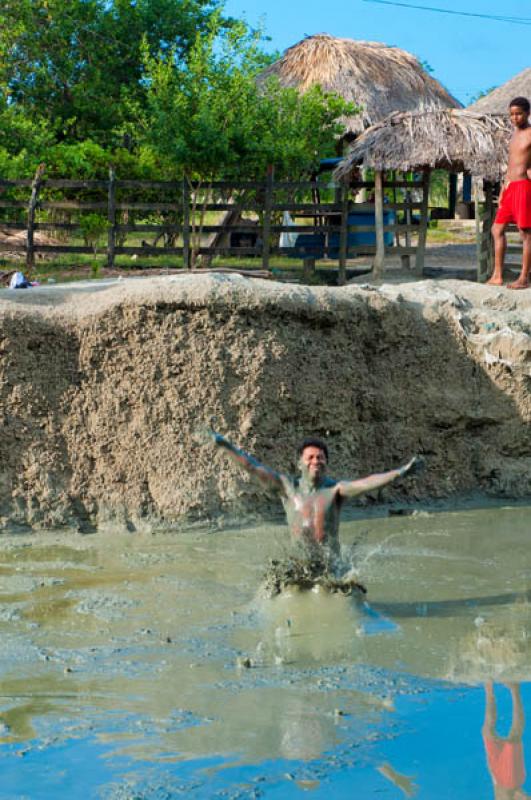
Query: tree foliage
{"points": [[158, 88], [209, 117], [72, 64]]}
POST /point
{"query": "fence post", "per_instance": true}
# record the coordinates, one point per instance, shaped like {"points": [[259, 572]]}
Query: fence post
{"points": [[483, 235], [266, 229], [423, 227], [405, 259], [489, 219], [32, 206], [343, 238], [379, 225], [111, 218], [186, 224], [484, 220]]}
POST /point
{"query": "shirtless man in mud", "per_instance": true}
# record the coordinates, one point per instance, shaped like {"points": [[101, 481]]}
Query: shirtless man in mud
{"points": [[515, 200], [313, 501]]}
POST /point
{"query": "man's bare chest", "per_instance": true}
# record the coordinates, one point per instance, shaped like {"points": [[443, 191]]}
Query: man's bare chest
{"points": [[314, 505]]}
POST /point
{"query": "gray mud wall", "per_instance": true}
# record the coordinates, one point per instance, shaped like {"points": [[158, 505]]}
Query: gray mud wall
{"points": [[101, 390]]}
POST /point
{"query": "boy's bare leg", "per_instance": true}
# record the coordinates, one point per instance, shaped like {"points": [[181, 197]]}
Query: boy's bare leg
{"points": [[500, 244], [522, 282], [518, 720], [489, 725]]}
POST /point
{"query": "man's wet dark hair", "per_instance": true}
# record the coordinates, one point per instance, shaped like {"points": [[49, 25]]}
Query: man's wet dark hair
{"points": [[311, 441], [521, 102]]}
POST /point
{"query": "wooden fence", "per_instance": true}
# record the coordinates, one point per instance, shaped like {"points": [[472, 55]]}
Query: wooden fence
{"points": [[325, 228]]}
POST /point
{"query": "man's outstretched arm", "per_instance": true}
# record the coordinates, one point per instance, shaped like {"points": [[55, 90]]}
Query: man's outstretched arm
{"points": [[371, 482], [249, 463]]}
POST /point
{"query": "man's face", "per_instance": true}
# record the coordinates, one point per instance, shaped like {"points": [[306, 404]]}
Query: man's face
{"points": [[519, 117], [313, 462]]}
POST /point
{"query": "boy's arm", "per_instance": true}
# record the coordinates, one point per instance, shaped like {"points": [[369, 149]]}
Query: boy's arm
{"points": [[371, 482], [249, 463]]}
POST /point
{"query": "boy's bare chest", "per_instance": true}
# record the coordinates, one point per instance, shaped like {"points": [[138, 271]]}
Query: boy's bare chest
{"points": [[520, 147]]}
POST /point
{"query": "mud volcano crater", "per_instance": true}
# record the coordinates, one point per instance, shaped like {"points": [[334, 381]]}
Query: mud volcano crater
{"points": [[103, 386]]}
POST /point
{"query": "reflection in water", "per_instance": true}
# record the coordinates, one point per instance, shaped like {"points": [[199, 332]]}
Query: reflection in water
{"points": [[301, 626], [403, 782], [496, 649], [505, 755], [303, 731], [135, 641]]}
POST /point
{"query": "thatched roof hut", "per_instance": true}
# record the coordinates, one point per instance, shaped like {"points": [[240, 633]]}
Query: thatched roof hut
{"points": [[377, 78], [457, 140], [497, 101]]}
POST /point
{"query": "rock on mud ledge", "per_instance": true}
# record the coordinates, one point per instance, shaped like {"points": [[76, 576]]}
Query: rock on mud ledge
{"points": [[102, 386]]}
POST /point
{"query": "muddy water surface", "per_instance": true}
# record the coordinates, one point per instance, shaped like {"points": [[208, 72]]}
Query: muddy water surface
{"points": [[138, 666]]}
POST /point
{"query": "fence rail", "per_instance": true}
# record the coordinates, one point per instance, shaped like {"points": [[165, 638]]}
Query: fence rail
{"points": [[327, 228]]}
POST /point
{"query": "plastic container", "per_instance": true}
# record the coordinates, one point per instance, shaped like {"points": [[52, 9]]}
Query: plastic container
{"points": [[359, 238], [308, 246]]}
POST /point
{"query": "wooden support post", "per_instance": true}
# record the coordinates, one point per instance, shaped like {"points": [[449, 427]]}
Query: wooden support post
{"points": [[406, 259], [379, 258], [392, 176], [308, 270], [363, 191], [111, 218], [343, 238], [479, 265], [32, 207], [266, 228], [423, 227], [452, 194], [487, 224], [186, 224], [484, 220]]}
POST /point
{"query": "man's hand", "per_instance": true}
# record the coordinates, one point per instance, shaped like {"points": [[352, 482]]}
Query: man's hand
{"points": [[207, 436], [204, 435], [413, 467]]}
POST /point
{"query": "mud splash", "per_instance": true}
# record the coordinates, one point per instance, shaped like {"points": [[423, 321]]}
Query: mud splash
{"points": [[309, 573]]}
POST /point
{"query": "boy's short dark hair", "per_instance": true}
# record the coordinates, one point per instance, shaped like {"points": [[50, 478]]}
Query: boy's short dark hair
{"points": [[521, 102], [312, 441]]}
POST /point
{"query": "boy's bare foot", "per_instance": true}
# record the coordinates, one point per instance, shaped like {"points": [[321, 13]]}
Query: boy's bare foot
{"points": [[495, 281], [519, 284]]}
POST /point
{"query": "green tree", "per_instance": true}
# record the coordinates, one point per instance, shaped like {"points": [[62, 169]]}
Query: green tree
{"points": [[72, 64], [22, 142], [210, 118]]}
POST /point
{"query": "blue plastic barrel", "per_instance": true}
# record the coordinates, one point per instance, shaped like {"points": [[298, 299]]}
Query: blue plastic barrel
{"points": [[308, 246], [357, 238]]}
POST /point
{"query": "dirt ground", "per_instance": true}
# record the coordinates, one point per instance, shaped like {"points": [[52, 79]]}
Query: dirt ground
{"points": [[103, 384]]}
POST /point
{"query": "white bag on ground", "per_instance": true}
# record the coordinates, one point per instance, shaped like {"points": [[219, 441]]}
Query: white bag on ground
{"points": [[287, 239], [18, 281]]}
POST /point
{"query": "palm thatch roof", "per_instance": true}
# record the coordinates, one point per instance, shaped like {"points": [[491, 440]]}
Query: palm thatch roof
{"points": [[497, 101], [450, 139], [377, 78]]}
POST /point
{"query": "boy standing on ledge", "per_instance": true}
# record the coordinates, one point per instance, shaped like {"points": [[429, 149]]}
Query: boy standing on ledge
{"points": [[312, 501], [515, 200]]}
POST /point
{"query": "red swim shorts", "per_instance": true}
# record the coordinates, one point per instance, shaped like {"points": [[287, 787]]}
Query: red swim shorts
{"points": [[506, 762], [515, 205]]}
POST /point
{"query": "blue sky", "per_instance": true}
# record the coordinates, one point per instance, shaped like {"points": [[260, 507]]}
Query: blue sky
{"points": [[467, 54]]}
